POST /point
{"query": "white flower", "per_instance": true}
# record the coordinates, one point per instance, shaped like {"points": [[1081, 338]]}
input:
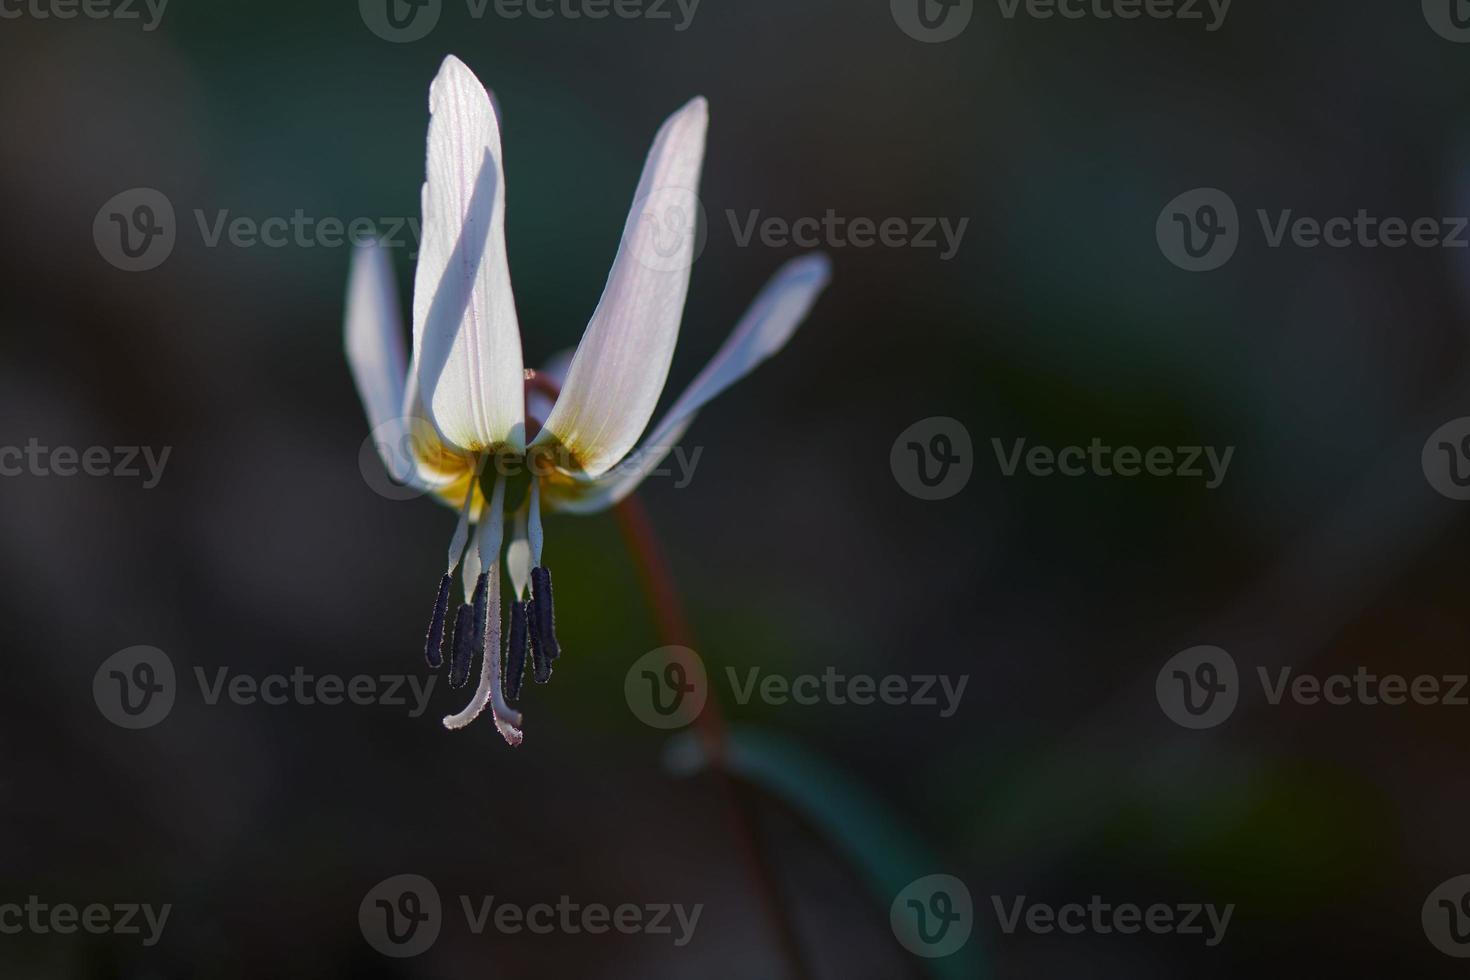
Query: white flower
{"points": [[466, 422]]}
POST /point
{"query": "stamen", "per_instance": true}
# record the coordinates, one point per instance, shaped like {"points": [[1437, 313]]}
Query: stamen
{"points": [[543, 624], [480, 612], [515, 661], [463, 646], [488, 692], [435, 639]]}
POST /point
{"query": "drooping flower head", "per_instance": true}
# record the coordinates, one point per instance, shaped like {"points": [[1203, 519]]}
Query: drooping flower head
{"points": [[466, 422]]}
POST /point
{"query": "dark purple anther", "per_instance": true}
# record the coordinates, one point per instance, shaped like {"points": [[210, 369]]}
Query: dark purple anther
{"points": [[481, 601], [435, 640], [463, 646], [515, 661], [543, 616]]}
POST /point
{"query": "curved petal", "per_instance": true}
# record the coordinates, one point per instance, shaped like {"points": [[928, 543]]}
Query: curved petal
{"points": [[373, 338], [373, 334], [764, 330], [623, 359], [467, 345]]}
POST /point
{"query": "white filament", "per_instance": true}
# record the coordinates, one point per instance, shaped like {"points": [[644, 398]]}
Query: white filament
{"points": [[462, 529], [533, 529]]}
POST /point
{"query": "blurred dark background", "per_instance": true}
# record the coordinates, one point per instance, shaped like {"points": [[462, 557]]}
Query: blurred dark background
{"points": [[264, 549]]}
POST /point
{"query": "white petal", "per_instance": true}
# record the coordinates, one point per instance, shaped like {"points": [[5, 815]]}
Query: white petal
{"points": [[467, 345], [764, 330], [623, 359], [373, 338], [373, 331]]}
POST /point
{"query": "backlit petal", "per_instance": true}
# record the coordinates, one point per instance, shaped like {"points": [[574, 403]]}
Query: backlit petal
{"points": [[764, 330], [467, 345], [623, 359]]}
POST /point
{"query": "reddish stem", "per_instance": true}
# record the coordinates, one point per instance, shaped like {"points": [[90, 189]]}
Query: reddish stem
{"points": [[673, 627]]}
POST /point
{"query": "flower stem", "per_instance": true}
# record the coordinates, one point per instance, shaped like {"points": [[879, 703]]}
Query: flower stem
{"points": [[673, 628]]}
